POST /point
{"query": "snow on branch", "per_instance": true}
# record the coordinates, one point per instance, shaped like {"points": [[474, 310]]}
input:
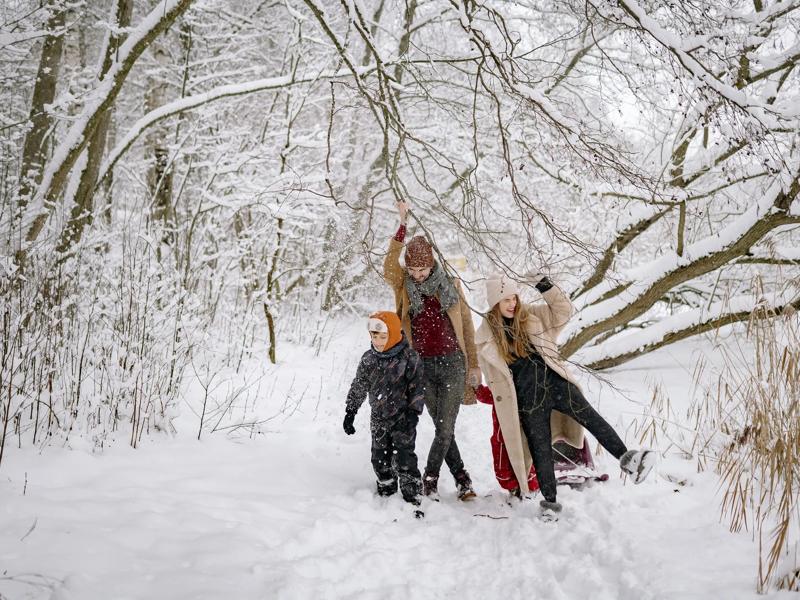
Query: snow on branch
{"points": [[639, 288], [769, 13], [626, 346], [101, 99], [191, 102], [763, 112], [778, 256], [9, 38], [643, 218]]}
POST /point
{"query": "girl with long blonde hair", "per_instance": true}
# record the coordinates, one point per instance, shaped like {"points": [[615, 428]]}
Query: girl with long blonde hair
{"points": [[536, 398]]}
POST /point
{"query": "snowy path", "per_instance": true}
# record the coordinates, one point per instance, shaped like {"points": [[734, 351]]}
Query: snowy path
{"points": [[291, 514]]}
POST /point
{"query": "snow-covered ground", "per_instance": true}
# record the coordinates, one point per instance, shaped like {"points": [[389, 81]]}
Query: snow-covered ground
{"points": [[290, 512]]}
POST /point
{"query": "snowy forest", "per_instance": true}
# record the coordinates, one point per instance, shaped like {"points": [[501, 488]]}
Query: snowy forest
{"points": [[196, 198]]}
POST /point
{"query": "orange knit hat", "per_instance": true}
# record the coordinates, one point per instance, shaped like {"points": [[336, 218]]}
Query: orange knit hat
{"points": [[388, 321]]}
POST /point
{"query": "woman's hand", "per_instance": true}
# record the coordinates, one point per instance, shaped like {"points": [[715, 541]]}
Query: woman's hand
{"points": [[538, 280], [533, 277], [402, 210]]}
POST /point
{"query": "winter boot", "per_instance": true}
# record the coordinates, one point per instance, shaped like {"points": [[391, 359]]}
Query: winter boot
{"points": [[430, 484], [387, 487], [410, 487], [464, 485], [549, 510], [637, 464], [416, 502]]}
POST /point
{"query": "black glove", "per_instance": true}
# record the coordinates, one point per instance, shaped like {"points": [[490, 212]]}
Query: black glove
{"points": [[539, 280], [348, 427], [544, 284]]}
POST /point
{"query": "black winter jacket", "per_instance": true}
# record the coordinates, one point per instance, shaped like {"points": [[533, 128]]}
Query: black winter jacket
{"points": [[393, 380]]}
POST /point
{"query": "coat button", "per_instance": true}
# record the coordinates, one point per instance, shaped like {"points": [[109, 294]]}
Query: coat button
{"points": [[499, 399]]}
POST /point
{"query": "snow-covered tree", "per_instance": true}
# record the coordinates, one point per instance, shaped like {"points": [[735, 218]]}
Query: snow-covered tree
{"points": [[215, 170]]}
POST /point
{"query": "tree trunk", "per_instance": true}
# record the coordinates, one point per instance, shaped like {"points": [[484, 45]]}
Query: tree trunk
{"points": [[159, 174], [35, 147], [78, 137], [82, 211]]}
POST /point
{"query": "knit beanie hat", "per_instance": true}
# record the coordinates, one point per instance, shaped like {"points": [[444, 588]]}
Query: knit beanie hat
{"points": [[386, 321], [499, 287], [419, 253]]}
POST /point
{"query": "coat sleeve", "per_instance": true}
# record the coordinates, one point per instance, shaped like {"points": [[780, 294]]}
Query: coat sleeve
{"points": [[556, 313], [416, 383], [469, 331], [359, 388], [392, 271]]}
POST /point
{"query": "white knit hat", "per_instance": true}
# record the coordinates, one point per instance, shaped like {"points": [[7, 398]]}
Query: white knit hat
{"points": [[499, 287], [377, 325]]}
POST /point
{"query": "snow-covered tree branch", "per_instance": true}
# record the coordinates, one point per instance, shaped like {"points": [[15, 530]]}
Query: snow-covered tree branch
{"points": [[66, 154]]}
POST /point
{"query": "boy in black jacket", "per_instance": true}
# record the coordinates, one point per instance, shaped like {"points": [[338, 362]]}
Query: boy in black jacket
{"points": [[390, 373]]}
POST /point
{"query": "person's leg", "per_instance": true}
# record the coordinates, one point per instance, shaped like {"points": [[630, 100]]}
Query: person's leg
{"points": [[534, 408], [435, 406], [451, 396], [535, 421], [433, 465], [382, 458], [404, 437], [568, 399]]}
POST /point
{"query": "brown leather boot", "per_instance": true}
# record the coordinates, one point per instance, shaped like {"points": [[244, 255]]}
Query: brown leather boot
{"points": [[464, 485], [430, 484]]}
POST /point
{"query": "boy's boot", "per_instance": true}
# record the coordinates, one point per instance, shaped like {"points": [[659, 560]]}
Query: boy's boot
{"points": [[430, 484], [415, 501], [387, 487], [637, 464], [464, 485], [410, 487]]}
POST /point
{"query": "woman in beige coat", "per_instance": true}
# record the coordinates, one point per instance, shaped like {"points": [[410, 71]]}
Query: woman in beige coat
{"points": [[536, 398]]}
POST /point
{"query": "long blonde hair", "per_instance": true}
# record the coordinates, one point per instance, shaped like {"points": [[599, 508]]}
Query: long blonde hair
{"points": [[520, 346]]}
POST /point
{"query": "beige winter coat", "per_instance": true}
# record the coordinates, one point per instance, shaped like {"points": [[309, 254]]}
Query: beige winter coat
{"points": [[545, 322], [459, 314]]}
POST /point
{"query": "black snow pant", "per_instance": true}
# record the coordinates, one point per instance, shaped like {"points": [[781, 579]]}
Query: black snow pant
{"points": [[445, 378], [393, 456], [541, 390]]}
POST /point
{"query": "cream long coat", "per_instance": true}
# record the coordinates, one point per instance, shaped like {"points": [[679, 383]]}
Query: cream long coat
{"points": [[459, 314], [544, 324]]}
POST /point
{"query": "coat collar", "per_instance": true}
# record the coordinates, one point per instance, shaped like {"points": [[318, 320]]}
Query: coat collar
{"points": [[393, 351]]}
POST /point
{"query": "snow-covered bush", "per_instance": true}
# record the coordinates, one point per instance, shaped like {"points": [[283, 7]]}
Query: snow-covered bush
{"points": [[744, 423], [758, 449], [95, 345]]}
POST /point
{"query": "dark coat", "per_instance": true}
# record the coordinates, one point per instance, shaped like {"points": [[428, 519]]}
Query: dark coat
{"points": [[393, 380]]}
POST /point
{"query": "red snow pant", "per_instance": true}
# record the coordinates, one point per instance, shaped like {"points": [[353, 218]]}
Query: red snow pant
{"points": [[502, 465]]}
